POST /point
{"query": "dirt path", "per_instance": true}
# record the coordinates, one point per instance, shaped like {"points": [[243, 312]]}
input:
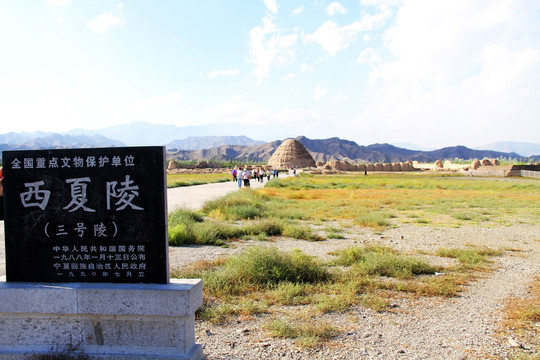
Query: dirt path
{"points": [[193, 197]]}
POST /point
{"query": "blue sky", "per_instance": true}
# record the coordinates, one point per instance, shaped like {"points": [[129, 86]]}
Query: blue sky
{"points": [[432, 73]]}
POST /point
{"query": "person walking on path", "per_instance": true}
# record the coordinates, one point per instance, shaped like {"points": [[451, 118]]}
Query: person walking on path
{"points": [[246, 175], [239, 175]]}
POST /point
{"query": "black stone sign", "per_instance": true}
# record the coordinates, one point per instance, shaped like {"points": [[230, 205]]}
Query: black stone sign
{"points": [[86, 215]]}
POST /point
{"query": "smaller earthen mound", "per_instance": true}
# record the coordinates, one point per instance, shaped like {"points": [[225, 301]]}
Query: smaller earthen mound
{"points": [[370, 167], [341, 165], [172, 165], [396, 167], [438, 165], [475, 164], [407, 166], [387, 167], [378, 167], [361, 167], [486, 162]]}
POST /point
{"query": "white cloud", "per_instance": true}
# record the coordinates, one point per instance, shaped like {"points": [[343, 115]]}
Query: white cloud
{"points": [[56, 106], [163, 109], [298, 10], [299, 119], [88, 77], [157, 103], [306, 68], [271, 5], [334, 38], [319, 92], [269, 47], [368, 56], [227, 72], [236, 98], [56, 3], [105, 21], [336, 8], [381, 3], [470, 70], [340, 98], [288, 76], [236, 110]]}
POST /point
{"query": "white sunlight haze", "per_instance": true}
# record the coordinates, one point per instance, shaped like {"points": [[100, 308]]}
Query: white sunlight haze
{"points": [[432, 73]]}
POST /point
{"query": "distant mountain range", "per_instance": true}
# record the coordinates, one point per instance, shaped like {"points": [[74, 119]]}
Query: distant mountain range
{"points": [[242, 147], [207, 142], [338, 149], [25, 141], [522, 148]]}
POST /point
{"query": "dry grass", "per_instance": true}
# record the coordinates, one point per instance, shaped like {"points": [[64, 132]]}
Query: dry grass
{"points": [[522, 321], [177, 180], [307, 329], [370, 276], [382, 200], [263, 280]]}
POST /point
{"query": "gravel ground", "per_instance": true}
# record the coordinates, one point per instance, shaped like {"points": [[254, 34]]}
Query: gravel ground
{"points": [[464, 327]]}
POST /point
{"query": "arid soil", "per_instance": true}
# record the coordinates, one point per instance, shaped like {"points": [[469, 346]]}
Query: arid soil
{"points": [[465, 327], [468, 326]]}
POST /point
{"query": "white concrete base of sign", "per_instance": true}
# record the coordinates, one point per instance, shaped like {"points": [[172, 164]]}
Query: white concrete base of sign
{"points": [[102, 321]]}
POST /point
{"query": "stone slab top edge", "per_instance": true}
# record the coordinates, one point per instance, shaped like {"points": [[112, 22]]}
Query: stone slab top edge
{"points": [[174, 284], [181, 297]]}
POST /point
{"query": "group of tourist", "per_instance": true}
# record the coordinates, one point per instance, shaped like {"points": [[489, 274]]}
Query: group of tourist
{"points": [[244, 176]]}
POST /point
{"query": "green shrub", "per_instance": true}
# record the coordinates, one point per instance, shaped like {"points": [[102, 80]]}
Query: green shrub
{"points": [[181, 234], [308, 332], [257, 268], [270, 227], [355, 254], [287, 293], [374, 219], [397, 266], [337, 302], [374, 302], [382, 261], [269, 266], [183, 215], [188, 227], [212, 233], [300, 232], [238, 205], [334, 233], [473, 256]]}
